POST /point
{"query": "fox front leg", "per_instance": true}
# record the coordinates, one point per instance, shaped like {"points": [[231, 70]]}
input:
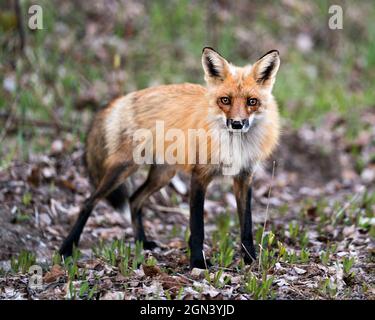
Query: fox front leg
{"points": [[243, 193], [197, 194]]}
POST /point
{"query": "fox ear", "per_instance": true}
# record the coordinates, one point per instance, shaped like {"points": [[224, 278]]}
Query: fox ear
{"points": [[265, 69], [214, 65]]}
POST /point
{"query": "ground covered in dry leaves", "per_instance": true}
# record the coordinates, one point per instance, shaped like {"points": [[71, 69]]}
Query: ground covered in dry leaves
{"points": [[318, 241]]}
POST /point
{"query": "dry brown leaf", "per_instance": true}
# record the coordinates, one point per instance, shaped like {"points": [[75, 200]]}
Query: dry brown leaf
{"points": [[151, 271], [54, 274]]}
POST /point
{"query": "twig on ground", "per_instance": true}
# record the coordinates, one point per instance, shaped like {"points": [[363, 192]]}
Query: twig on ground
{"points": [[247, 252], [204, 258]]}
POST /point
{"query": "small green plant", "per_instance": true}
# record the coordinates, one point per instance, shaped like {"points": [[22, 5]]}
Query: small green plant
{"points": [[283, 209], [217, 281], [21, 217], [303, 240], [328, 288], [223, 245], [241, 265], [71, 266], [174, 199], [138, 255], [84, 292], [347, 265], [269, 239], [282, 250], [304, 256], [293, 230], [290, 257], [326, 255], [269, 254], [259, 289], [23, 262], [72, 291], [198, 288], [226, 252], [177, 297], [268, 259], [26, 198], [366, 216], [124, 265], [341, 211], [323, 218], [179, 293], [151, 262], [76, 254], [83, 289], [56, 258], [223, 223], [121, 255], [368, 200], [168, 295], [6, 159], [175, 232], [258, 235]]}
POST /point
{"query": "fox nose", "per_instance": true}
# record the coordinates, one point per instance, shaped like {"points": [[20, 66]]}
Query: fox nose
{"points": [[236, 124]]}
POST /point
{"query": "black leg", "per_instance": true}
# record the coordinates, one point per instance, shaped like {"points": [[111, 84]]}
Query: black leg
{"points": [[197, 194], [158, 177], [243, 194], [140, 233], [110, 181], [247, 231], [72, 239]]}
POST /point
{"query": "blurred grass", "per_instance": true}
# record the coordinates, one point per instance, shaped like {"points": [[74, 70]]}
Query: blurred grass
{"points": [[160, 42]]}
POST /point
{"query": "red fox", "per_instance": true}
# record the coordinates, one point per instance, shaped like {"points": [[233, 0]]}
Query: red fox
{"points": [[236, 100]]}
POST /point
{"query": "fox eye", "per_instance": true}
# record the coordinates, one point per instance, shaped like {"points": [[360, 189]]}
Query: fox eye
{"points": [[225, 100], [252, 102]]}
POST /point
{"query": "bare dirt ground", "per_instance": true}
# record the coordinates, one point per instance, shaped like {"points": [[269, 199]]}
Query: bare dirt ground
{"points": [[321, 213]]}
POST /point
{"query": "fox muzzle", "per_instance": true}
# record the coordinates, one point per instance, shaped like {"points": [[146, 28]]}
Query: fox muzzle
{"points": [[238, 124]]}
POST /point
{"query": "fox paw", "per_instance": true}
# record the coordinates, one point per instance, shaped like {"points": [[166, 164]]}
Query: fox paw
{"points": [[249, 258], [66, 249], [200, 263], [149, 245]]}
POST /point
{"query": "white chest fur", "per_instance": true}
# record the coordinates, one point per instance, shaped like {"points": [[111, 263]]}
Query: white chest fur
{"points": [[239, 151]]}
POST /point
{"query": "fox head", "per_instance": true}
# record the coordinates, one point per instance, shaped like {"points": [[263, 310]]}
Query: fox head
{"points": [[239, 95]]}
